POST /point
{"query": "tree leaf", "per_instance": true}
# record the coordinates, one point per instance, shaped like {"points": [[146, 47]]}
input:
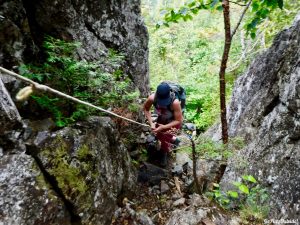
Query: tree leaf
{"points": [[225, 200], [236, 183], [192, 4], [249, 178], [280, 3], [189, 17], [220, 8], [255, 6], [233, 194], [214, 3], [195, 10], [243, 188], [217, 194]]}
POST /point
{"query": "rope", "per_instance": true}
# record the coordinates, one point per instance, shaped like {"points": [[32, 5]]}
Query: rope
{"points": [[48, 89]]}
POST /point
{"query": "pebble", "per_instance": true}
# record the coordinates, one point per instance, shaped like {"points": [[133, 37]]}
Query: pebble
{"points": [[179, 202], [164, 187], [176, 196]]}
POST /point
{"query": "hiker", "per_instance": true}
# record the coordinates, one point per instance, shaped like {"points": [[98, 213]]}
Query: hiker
{"points": [[170, 117]]}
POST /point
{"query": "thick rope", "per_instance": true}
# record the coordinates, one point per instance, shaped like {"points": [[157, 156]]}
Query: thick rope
{"points": [[48, 89]]}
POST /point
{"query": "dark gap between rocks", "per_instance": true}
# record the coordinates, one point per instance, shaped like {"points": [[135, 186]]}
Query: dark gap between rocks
{"points": [[75, 219]]}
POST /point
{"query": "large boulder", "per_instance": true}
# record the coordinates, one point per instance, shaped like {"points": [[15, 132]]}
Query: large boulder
{"points": [[25, 196], [265, 111], [98, 25]]}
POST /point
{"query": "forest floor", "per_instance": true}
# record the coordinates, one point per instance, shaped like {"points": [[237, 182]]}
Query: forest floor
{"points": [[155, 200], [168, 198]]}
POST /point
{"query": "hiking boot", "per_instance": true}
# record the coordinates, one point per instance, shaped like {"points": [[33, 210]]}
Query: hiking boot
{"points": [[164, 159]]}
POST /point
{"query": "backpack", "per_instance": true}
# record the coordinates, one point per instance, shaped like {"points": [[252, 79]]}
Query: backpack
{"points": [[177, 92]]}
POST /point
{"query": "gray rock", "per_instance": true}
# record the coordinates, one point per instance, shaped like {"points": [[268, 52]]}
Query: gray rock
{"points": [[24, 195], [196, 216], [87, 169], [143, 219], [149, 173], [197, 200], [177, 170], [183, 158], [176, 196], [164, 187], [9, 115], [10, 123], [191, 217], [179, 202], [97, 25], [135, 217], [265, 111]]}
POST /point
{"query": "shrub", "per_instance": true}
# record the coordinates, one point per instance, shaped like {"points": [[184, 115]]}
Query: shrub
{"points": [[102, 83]]}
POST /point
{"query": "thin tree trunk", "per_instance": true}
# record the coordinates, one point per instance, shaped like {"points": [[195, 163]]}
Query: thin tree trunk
{"points": [[196, 181], [225, 4]]}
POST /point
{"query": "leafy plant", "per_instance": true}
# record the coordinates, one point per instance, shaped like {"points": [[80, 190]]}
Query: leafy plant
{"points": [[209, 149], [249, 198], [102, 83]]}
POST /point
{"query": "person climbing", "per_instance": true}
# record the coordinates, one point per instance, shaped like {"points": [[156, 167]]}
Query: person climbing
{"points": [[168, 104]]}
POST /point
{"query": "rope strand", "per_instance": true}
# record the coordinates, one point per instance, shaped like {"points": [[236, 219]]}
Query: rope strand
{"points": [[45, 88]]}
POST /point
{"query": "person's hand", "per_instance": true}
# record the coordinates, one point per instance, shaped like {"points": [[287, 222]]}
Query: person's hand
{"points": [[159, 128], [153, 126]]}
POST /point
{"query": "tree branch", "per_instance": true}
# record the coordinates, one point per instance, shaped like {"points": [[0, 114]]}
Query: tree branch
{"points": [[241, 18], [237, 3]]}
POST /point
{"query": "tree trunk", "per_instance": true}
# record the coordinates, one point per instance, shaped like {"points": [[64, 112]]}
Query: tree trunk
{"points": [[225, 4]]}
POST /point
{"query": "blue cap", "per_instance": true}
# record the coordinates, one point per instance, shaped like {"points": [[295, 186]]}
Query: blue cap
{"points": [[163, 94]]}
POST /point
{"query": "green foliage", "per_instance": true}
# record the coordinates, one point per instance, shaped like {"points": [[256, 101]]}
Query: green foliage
{"points": [[187, 11], [279, 19], [189, 52], [208, 149], [83, 153], [191, 59], [70, 178], [261, 10], [249, 198], [102, 83]]}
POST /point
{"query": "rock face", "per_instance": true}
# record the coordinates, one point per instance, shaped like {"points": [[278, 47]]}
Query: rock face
{"points": [[9, 115], [10, 122], [98, 25], [72, 176], [265, 110], [22, 200]]}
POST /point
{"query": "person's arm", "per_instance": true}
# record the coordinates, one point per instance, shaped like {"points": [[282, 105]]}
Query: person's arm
{"points": [[147, 107], [178, 118]]}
